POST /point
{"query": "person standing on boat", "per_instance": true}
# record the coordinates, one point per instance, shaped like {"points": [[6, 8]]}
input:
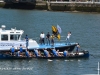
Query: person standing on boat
{"points": [[68, 38], [27, 39], [52, 40], [77, 48], [42, 37], [12, 50], [48, 38]]}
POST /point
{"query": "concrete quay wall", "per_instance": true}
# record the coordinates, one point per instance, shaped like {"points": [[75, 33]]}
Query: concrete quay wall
{"points": [[69, 6], [41, 5], [75, 6], [58, 6]]}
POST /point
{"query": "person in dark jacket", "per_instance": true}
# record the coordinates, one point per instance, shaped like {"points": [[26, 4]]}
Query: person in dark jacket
{"points": [[27, 40], [48, 38]]}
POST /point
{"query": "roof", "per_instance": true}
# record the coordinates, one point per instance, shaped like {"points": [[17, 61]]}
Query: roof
{"points": [[11, 31]]}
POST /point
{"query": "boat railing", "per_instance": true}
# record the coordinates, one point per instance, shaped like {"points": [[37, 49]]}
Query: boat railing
{"points": [[61, 42], [37, 39]]}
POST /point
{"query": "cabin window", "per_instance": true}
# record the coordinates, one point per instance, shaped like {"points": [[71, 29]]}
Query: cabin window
{"points": [[17, 32], [14, 37], [11, 32], [4, 37]]}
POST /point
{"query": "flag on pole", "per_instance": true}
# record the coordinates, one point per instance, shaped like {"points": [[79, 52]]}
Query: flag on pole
{"points": [[59, 29], [54, 29], [55, 32]]}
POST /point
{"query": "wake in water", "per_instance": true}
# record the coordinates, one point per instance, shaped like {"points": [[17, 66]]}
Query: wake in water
{"points": [[50, 60]]}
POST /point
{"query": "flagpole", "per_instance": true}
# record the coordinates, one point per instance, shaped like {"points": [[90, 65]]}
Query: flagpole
{"points": [[98, 68]]}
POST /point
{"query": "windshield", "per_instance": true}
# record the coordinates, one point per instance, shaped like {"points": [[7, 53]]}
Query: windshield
{"points": [[14, 37]]}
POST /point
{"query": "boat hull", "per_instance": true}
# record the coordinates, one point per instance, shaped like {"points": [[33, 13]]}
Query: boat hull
{"points": [[68, 48], [85, 55], [71, 56], [7, 56], [59, 46]]}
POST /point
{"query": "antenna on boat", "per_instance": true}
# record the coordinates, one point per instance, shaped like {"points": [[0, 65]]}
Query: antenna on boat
{"points": [[3, 27], [15, 28]]}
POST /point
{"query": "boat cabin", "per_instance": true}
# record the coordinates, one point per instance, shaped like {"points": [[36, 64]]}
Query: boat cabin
{"points": [[10, 35]]}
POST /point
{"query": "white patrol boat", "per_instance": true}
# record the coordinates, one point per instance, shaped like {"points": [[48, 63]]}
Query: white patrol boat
{"points": [[13, 37], [9, 38]]}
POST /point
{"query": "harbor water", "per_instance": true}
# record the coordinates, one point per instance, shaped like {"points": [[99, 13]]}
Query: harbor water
{"points": [[85, 29]]}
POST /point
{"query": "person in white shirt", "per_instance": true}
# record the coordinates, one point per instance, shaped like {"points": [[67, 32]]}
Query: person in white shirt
{"points": [[42, 37], [68, 38]]}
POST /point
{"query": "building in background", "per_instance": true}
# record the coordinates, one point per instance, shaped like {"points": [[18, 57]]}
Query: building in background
{"points": [[18, 1], [1, 0]]}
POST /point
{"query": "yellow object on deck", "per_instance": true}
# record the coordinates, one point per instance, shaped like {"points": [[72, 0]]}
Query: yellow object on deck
{"points": [[58, 36]]}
